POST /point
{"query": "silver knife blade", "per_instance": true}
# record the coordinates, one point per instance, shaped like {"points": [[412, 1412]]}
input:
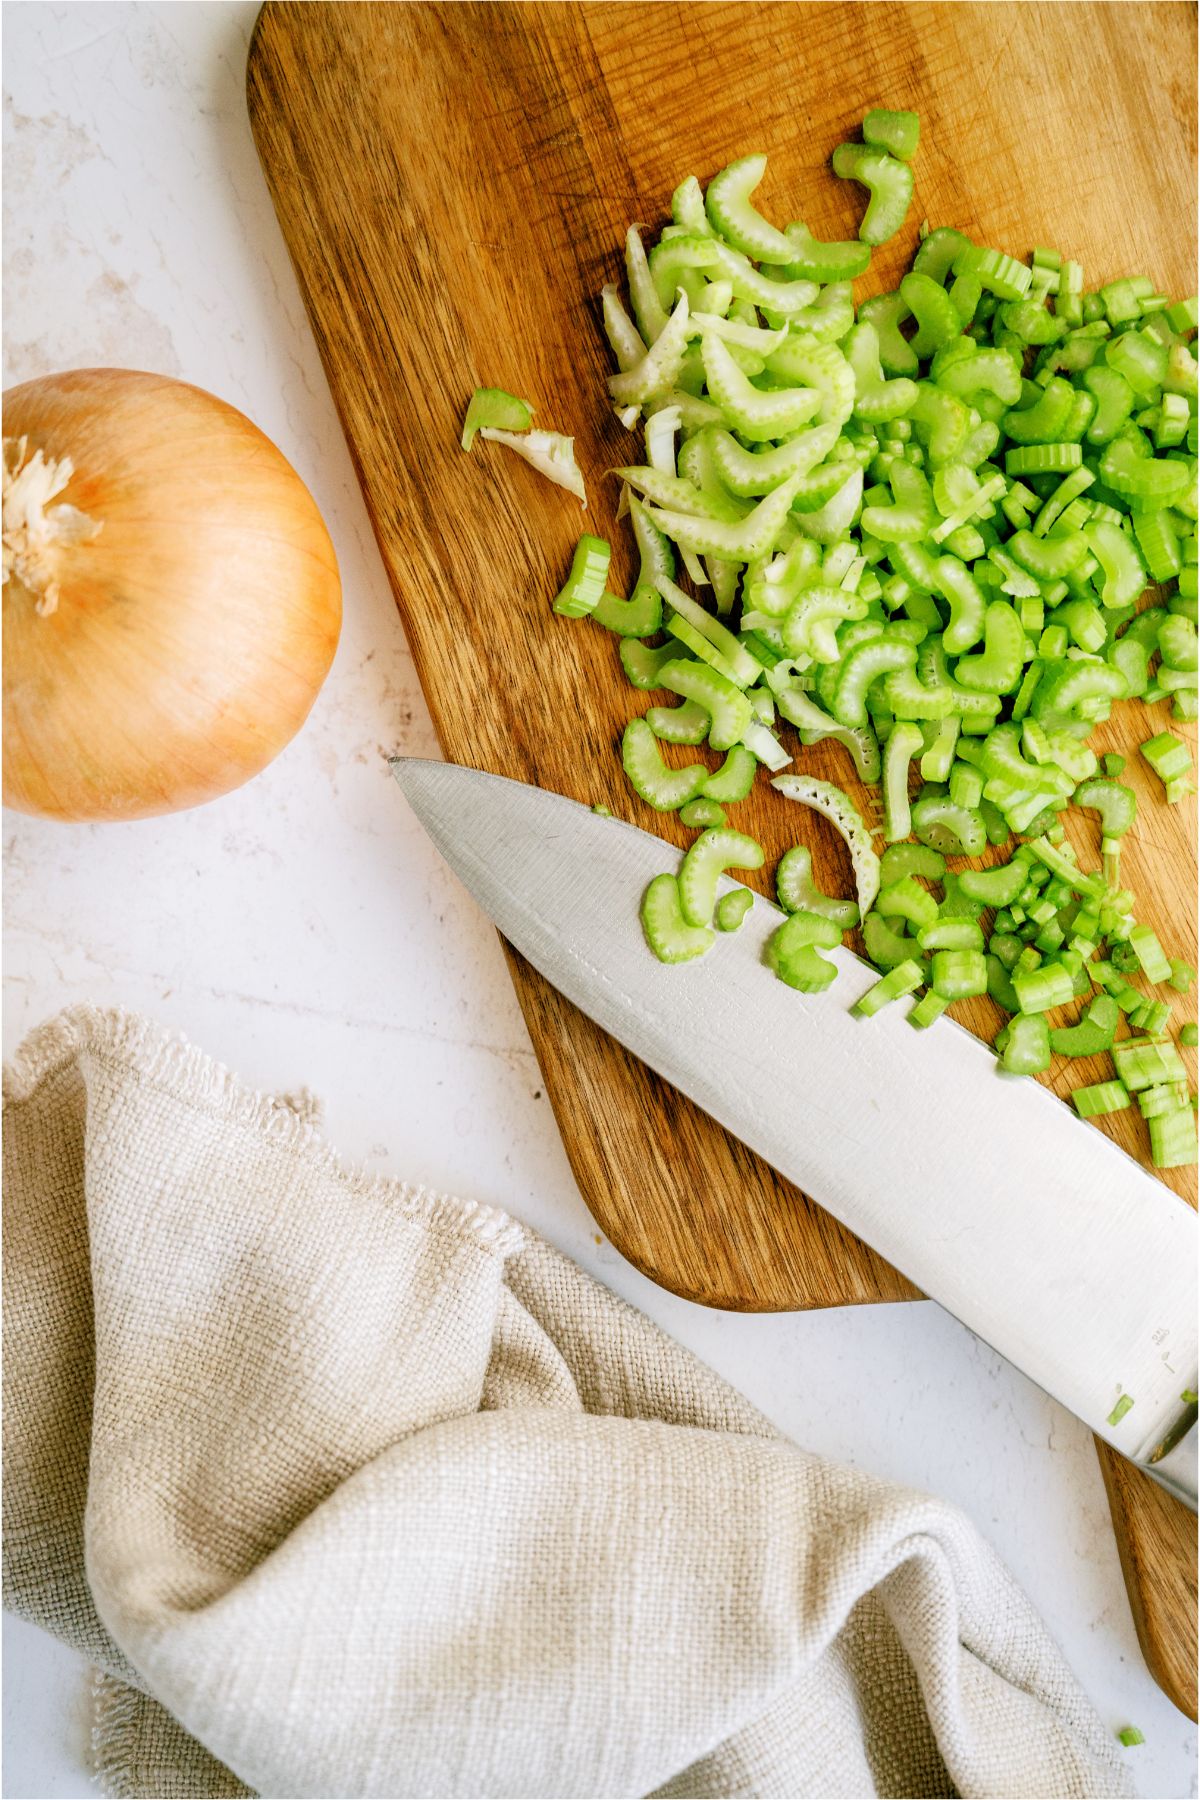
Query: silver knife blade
{"points": [[1033, 1229]]}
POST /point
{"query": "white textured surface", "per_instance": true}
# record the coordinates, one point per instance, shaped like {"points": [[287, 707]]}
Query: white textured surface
{"points": [[304, 931]]}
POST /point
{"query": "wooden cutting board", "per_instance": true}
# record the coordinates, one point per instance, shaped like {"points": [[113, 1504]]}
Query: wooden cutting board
{"points": [[454, 183]]}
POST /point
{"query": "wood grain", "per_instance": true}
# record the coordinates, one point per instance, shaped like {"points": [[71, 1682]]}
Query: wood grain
{"points": [[454, 182], [1156, 1539]]}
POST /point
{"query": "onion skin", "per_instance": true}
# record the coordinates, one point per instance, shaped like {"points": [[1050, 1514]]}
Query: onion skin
{"points": [[192, 633]]}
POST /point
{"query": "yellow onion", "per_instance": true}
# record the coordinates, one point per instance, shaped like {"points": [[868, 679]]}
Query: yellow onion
{"points": [[171, 596]]}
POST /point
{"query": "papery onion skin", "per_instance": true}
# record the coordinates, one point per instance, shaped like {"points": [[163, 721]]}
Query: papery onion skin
{"points": [[192, 633]]}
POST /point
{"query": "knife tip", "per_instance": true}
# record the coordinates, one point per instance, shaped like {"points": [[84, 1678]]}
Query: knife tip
{"points": [[426, 781], [407, 771]]}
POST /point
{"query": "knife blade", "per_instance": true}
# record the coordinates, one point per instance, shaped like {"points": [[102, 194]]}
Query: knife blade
{"points": [[1034, 1230]]}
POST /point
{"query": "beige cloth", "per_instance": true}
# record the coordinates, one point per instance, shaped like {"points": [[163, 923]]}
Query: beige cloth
{"points": [[375, 1493]]}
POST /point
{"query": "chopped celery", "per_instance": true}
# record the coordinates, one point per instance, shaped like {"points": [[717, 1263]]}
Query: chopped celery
{"points": [[668, 933], [922, 528], [500, 410], [549, 452], [711, 854]]}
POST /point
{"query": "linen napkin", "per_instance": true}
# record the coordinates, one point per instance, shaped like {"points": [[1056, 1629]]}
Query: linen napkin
{"points": [[349, 1488]]}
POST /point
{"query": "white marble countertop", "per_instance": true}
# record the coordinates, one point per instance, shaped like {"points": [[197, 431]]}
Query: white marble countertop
{"points": [[304, 931]]}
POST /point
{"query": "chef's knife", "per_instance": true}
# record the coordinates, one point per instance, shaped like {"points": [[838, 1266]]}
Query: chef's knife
{"points": [[1034, 1229]]}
